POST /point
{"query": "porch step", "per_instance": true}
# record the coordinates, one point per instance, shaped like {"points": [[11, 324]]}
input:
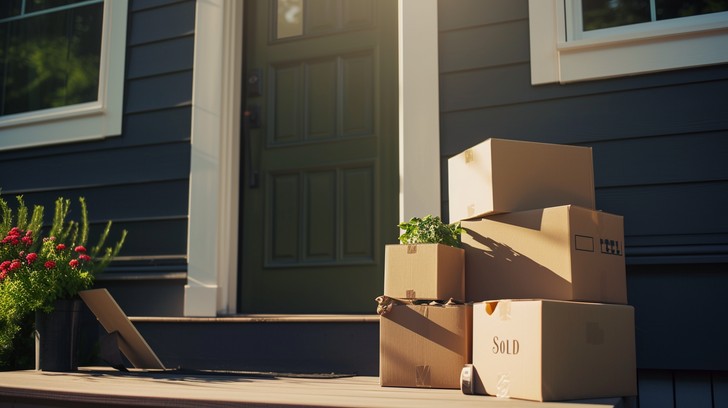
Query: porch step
{"points": [[322, 344]]}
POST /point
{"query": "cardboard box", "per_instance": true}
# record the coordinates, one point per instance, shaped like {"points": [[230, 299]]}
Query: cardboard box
{"points": [[548, 350], [424, 346], [506, 175], [563, 253], [424, 271]]}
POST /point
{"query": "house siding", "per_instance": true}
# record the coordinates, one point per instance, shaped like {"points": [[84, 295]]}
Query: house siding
{"points": [[139, 179], [659, 146]]}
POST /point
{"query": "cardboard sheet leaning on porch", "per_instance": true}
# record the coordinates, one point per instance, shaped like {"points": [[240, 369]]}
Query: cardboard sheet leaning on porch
{"points": [[114, 320]]}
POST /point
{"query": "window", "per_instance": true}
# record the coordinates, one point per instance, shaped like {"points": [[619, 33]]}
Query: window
{"points": [[61, 70], [576, 40], [289, 21]]}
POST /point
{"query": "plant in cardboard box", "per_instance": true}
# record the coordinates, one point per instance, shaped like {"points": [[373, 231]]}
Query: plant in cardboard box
{"points": [[430, 230], [429, 264], [42, 274]]}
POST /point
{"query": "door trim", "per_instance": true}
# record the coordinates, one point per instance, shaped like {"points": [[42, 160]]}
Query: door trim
{"points": [[215, 142]]}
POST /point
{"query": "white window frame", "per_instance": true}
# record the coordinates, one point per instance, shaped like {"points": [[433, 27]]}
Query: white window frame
{"points": [[635, 49], [85, 121]]}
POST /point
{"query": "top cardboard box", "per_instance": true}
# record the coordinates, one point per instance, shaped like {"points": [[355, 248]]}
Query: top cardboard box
{"points": [[501, 175]]}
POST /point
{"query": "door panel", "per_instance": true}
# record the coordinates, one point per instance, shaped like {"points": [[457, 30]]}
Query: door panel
{"points": [[324, 144]]}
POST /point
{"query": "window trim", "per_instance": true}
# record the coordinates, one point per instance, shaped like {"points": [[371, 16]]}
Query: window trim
{"points": [[85, 121], [643, 48]]}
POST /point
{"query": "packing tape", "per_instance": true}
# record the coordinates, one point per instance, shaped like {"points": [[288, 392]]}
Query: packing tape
{"points": [[503, 386], [411, 249], [504, 307], [467, 379], [422, 374], [468, 156]]}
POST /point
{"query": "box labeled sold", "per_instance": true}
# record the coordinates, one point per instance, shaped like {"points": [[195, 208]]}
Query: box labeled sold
{"points": [[564, 253], [424, 271], [501, 175], [547, 350], [424, 345]]}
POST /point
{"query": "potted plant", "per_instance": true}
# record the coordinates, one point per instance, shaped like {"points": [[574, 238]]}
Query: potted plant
{"points": [[42, 274], [428, 264]]}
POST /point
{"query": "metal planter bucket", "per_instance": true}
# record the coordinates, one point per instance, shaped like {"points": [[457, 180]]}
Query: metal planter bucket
{"points": [[56, 337]]}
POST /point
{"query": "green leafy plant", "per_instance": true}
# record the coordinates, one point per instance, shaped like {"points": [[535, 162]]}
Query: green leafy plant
{"points": [[430, 230], [36, 270]]}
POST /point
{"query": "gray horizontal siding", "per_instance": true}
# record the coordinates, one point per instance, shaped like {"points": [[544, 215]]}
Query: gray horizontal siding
{"points": [[139, 179], [678, 316], [159, 92], [463, 14], [100, 167], [682, 389], [144, 59], [158, 127], [586, 118], [176, 19]]}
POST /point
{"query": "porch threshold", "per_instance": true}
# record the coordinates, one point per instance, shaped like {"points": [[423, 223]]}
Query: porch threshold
{"points": [[262, 318], [100, 386]]}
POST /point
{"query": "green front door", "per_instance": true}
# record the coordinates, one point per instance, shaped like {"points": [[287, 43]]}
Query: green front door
{"points": [[319, 182]]}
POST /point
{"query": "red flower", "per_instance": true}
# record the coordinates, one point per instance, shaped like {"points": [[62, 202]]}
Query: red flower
{"points": [[84, 257], [13, 236], [3, 274], [60, 247], [73, 263], [5, 266], [27, 240], [31, 257], [80, 249], [50, 264], [15, 265]]}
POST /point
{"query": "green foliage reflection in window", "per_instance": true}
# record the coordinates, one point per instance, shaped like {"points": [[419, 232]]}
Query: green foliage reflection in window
{"points": [[49, 53], [599, 14]]}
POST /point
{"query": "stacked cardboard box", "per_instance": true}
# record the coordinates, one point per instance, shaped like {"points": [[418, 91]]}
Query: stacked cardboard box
{"points": [[542, 274], [424, 343], [545, 271]]}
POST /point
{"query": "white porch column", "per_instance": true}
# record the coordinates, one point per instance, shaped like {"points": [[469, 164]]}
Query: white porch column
{"points": [[213, 219], [419, 112]]}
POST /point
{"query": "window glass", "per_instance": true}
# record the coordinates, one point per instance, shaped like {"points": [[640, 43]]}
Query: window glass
{"points": [[10, 8], [289, 18], [666, 9], [50, 58], [38, 5], [598, 14]]}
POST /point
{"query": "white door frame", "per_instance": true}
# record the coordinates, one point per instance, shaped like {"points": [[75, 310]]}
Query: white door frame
{"points": [[211, 288]]}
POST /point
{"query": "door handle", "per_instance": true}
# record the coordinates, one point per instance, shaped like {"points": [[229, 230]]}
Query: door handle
{"points": [[251, 120]]}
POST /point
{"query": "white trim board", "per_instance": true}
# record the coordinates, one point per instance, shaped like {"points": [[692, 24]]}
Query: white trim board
{"points": [[638, 49]]}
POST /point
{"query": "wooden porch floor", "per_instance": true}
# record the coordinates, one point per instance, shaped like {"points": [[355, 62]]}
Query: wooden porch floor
{"points": [[106, 387]]}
